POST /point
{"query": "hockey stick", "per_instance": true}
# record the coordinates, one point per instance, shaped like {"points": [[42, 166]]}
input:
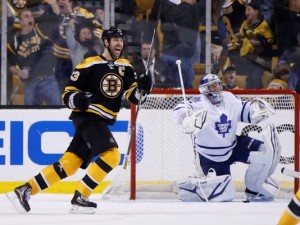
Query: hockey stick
{"points": [[178, 62], [290, 173], [133, 128], [132, 132]]}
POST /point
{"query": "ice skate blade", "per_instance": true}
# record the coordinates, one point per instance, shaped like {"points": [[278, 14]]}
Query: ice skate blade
{"points": [[13, 198], [258, 199], [75, 209]]}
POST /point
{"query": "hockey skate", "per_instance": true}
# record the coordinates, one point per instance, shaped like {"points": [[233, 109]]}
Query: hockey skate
{"points": [[252, 196], [82, 205], [19, 198]]}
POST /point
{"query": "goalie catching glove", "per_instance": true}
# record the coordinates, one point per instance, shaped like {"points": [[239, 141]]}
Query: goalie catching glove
{"points": [[144, 83], [260, 110], [80, 101], [195, 122]]}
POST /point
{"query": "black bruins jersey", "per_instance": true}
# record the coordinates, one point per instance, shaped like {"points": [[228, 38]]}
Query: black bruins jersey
{"points": [[108, 81]]}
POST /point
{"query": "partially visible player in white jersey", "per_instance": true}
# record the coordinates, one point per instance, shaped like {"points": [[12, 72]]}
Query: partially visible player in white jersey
{"points": [[212, 118]]}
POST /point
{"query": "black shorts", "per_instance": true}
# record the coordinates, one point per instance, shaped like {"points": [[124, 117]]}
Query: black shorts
{"points": [[92, 137]]}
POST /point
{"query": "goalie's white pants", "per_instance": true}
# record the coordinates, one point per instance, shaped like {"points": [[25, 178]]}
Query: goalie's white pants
{"points": [[262, 165], [216, 189]]}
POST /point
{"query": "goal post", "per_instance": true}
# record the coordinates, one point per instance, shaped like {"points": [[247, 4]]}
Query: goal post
{"points": [[162, 154]]}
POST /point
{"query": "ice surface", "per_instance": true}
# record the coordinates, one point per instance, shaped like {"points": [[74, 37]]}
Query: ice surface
{"points": [[53, 209]]}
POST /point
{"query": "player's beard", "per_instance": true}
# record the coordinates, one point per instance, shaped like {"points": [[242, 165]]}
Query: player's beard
{"points": [[115, 54]]}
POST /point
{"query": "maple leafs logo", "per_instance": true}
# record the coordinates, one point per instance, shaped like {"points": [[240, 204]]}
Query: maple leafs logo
{"points": [[223, 126]]}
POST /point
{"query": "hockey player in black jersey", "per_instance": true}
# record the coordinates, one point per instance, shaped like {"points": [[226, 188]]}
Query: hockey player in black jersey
{"points": [[94, 93], [291, 214]]}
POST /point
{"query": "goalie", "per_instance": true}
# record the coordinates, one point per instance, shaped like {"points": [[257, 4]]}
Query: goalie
{"points": [[212, 118]]}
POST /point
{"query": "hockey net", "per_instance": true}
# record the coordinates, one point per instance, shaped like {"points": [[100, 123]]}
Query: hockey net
{"points": [[162, 154]]}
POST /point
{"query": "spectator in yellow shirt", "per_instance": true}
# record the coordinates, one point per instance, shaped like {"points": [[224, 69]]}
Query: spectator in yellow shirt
{"points": [[281, 75]]}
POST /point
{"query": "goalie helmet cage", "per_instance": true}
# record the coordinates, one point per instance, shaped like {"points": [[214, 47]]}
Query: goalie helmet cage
{"points": [[161, 154]]}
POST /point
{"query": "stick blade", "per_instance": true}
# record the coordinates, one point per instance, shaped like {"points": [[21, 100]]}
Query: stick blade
{"points": [[290, 173]]}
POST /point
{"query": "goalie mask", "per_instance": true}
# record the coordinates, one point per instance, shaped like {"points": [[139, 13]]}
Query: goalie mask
{"points": [[211, 87]]}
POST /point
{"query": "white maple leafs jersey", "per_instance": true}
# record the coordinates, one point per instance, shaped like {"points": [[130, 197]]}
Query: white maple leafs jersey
{"points": [[217, 138]]}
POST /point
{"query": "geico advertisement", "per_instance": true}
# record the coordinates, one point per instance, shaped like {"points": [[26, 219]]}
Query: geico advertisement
{"points": [[30, 139]]}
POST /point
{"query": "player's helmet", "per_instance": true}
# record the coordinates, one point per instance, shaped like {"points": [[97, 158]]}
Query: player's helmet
{"points": [[112, 32], [205, 82]]}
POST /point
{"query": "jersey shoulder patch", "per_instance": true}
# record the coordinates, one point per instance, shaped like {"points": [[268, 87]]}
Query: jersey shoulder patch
{"points": [[229, 97], [123, 62], [197, 99], [90, 61]]}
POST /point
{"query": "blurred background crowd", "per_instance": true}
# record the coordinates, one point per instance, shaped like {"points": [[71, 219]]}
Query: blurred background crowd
{"points": [[253, 44]]}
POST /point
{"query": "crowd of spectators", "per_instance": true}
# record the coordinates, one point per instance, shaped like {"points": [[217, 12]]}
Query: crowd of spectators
{"points": [[255, 37]]}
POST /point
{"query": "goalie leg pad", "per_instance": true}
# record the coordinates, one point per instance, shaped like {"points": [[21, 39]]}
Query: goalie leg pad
{"points": [[263, 164], [272, 144], [216, 189], [257, 175]]}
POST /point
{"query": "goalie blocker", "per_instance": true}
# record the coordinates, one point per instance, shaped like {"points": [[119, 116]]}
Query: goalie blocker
{"points": [[195, 122]]}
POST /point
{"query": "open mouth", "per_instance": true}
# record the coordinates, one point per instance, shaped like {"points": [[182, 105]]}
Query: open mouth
{"points": [[118, 50], [61, 6]]}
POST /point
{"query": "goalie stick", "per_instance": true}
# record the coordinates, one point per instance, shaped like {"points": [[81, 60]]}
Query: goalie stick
{"points": [[197, 166], [290, 173]]}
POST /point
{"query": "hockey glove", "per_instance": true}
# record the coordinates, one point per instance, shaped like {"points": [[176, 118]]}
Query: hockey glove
{"points": [[80, 101], [260, 110], [188, 125], [195, 122], [145, 83]]}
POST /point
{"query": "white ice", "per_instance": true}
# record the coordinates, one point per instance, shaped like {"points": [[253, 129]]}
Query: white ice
{"points": [[52, 209]]}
